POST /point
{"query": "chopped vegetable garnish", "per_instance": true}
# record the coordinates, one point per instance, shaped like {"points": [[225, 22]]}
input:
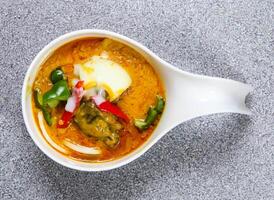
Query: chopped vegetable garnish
{"points": [[56, 75], [144, 124], [72, 103], [79, 84], [59, 92], [65, 119], [160, 104], [38, 98], [141, 124], [107, 106], [115, 110], [47, 116], [152, 114]]}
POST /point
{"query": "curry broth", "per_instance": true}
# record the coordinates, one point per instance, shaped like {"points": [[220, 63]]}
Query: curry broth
{"points": [[135, 101]]}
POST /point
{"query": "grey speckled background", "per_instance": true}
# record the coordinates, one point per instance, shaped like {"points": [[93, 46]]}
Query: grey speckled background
{"points": [[225, 156]]}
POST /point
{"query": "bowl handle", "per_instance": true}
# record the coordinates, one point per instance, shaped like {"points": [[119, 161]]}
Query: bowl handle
{"points": [[191, 96]]}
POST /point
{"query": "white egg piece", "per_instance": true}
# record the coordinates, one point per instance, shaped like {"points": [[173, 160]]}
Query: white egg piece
{"points": [[103, 72]]}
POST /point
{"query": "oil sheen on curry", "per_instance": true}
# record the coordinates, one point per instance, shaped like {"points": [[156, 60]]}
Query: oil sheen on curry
{"points": [[96, 99]]}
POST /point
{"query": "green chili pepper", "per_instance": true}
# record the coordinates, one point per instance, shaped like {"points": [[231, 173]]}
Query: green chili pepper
{"points": [[144, 124], [59, 92], [56, 75], [140, 124], [152, 114], [38, 98], [47, 116], [160, 104]]}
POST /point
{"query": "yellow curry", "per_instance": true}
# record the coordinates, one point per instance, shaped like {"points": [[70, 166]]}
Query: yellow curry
{"points": [[96, 99]]}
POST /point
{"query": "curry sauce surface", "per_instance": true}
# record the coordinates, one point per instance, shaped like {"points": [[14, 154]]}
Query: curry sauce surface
{"points": [[135, 101]]}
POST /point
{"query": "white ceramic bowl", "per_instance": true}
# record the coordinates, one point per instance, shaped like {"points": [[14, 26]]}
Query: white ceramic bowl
{"points": [[187, 96]]}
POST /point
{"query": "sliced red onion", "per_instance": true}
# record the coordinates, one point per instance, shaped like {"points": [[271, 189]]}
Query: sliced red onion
{"points": [[98, 99], [74, 99], [78, 92], [71, 104], [102, 92]]}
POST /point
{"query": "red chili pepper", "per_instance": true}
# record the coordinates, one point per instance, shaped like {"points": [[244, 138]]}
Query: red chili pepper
{"points": [[67, 116], [115, 110], [79, 84], [65, 120]]}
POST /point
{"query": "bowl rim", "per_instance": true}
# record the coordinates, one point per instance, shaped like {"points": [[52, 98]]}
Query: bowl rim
{"points": [[57, 42]]}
